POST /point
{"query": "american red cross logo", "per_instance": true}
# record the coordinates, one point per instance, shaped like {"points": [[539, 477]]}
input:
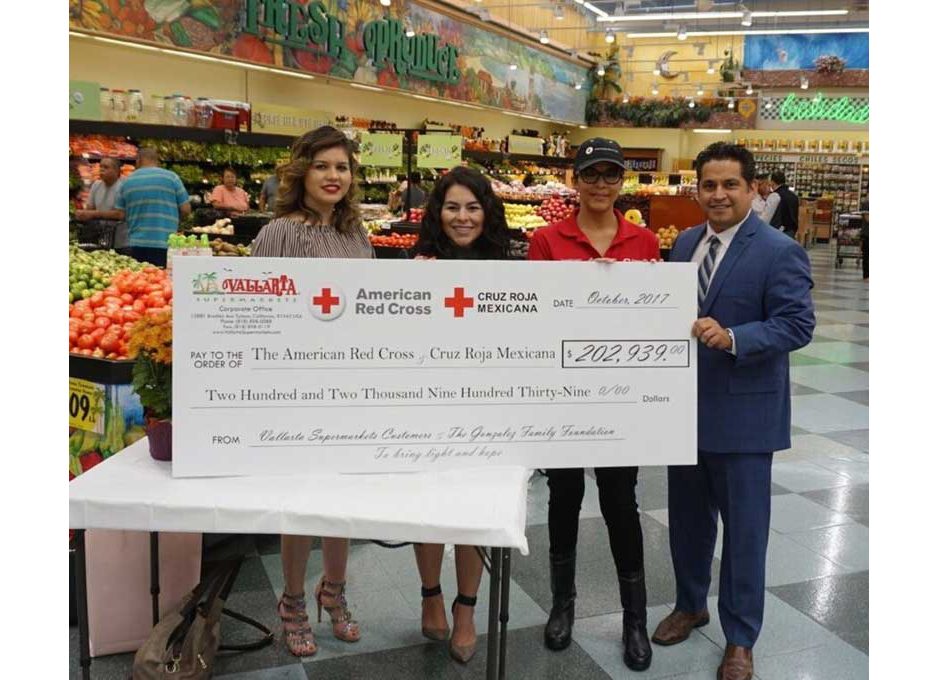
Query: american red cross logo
{"points": [[458, 302], [325, 300]]}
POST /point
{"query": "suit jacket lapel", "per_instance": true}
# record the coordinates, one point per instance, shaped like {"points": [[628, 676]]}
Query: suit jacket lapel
{"points": [[739, 244], [691, 241]]}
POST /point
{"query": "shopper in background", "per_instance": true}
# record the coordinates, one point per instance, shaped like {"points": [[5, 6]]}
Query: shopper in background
{"points": [[151, 201], [228, 196], [316, 216], [416, 197], [785, 217], [270, 190], [597, 232], [863, 234], [102, 200], [754, 309], [765, 202], [464, 220]]}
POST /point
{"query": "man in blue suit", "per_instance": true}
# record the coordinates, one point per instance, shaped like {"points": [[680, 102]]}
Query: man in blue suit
{"points": [[754, 309]]}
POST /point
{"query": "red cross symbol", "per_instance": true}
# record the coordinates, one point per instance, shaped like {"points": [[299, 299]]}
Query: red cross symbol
{"points": [[325, 300], [458, 302]]}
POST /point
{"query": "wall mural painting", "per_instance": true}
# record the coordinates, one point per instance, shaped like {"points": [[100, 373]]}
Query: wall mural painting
{"points": [[357, 40], [806, 52]]}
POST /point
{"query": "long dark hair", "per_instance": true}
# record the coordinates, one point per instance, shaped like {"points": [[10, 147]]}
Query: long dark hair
{"points": [[493, 242], [291, 195]]}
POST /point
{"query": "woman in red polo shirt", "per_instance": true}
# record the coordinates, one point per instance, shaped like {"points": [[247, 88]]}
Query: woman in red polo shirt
{"points": [[597, 232]]}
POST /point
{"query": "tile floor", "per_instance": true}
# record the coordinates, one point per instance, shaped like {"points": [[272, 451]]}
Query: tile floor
{"points": [[816, 615]]}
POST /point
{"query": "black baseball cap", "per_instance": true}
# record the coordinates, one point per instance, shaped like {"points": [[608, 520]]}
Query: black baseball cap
{"points": [[597, 150]]}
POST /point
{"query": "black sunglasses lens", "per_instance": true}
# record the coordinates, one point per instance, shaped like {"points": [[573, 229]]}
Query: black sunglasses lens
{"points": [[589, 175]]}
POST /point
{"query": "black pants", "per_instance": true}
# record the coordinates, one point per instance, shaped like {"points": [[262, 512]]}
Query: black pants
{"points": [[156, 256], [864, 257], [617, 503]]}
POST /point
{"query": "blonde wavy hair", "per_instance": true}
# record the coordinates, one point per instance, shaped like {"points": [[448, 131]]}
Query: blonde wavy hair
{"points": [[291, 194]]}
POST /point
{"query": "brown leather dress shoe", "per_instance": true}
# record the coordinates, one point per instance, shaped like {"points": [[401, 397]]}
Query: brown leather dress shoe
{"points": [[677, 626], [736, 664]]}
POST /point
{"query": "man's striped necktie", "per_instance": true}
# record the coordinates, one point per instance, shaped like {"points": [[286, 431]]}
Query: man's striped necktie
{"points": [[706, 269]]}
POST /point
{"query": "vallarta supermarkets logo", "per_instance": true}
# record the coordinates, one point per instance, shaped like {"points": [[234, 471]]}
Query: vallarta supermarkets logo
{"points": [[509, 302], [270, 285]]}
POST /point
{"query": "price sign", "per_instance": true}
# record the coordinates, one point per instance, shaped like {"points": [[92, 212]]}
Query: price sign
{"points": [[85, 405], [382, 150], [439, 151]]}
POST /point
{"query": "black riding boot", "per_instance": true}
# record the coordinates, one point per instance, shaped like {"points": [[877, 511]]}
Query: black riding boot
{"points": [[563, 592], [637, 654]]}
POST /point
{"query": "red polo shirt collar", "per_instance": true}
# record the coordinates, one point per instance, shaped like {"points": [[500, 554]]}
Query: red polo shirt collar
{"points": [[571, 229]]}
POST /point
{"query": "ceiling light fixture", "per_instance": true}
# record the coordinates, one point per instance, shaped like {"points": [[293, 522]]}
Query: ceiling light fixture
{"points": [[543, 37], [746, 16], [625, 98], [559, 12], [711, 69], [712, 131], [682, 32], [409, 31], [731, 103], [714, 16], [776, 31], [385, 3], [601, 70], [749, 90], [691, 103], [610, 36], [654, 88], [656, 71], [699, 90], [804, 83]]}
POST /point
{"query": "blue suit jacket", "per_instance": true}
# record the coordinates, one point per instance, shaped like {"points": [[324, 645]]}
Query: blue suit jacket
{"points": [[762, 292]]}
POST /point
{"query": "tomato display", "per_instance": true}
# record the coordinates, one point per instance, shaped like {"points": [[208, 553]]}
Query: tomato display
{"points": [[394, 240], [98, 325]]}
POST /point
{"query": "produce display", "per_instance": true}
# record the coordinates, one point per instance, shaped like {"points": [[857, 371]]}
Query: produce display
{"points": [[394, 240], [222, 226], [122, 426], [219, 154], [221, 248], [515, 191], [416, 215], [89, 273], [98, 146], [98, 325], [554, 209], [634, 216], [666, 236], [523, 216]]}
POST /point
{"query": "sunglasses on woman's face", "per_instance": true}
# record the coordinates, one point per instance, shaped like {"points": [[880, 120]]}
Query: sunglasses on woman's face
{"points": [[610, 175]]}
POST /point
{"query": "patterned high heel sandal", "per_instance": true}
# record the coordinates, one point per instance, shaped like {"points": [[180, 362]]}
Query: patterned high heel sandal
{"points": [[438, 634], [462, 653], [299, 637], [335, 602]]}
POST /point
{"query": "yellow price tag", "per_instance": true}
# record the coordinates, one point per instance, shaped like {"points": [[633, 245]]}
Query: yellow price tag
{"points": [[85, 405]]}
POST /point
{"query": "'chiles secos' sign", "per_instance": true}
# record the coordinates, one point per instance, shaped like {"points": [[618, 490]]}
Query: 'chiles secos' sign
{"points": [[421, 56], [384, 40]]}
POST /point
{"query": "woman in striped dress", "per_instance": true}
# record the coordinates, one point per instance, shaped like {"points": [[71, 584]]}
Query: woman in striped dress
{"points": [[316, 216]]}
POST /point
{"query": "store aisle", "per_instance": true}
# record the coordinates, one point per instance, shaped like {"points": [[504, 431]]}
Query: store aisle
{"points": [[816, 617]]}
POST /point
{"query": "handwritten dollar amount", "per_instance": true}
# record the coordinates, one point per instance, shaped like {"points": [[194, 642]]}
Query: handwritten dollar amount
{"points": [[626, 353]]}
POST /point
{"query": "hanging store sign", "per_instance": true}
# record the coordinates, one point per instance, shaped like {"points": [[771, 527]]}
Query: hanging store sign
{"points": [[286, 120], [820, 107], [439, 151], [381, 149], [525, 145]]}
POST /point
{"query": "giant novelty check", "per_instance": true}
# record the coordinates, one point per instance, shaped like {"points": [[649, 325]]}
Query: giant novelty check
{"points": [[291, 366]]}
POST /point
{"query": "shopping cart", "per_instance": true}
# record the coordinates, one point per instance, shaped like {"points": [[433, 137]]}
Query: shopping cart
{"points": [[848, 239]]}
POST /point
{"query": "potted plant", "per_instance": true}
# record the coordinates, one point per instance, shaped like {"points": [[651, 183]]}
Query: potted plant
{"points": [[151, 346], [729, 67]]}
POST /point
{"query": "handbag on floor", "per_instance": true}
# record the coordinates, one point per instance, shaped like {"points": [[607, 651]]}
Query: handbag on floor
{"points": [[184, 644]]}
